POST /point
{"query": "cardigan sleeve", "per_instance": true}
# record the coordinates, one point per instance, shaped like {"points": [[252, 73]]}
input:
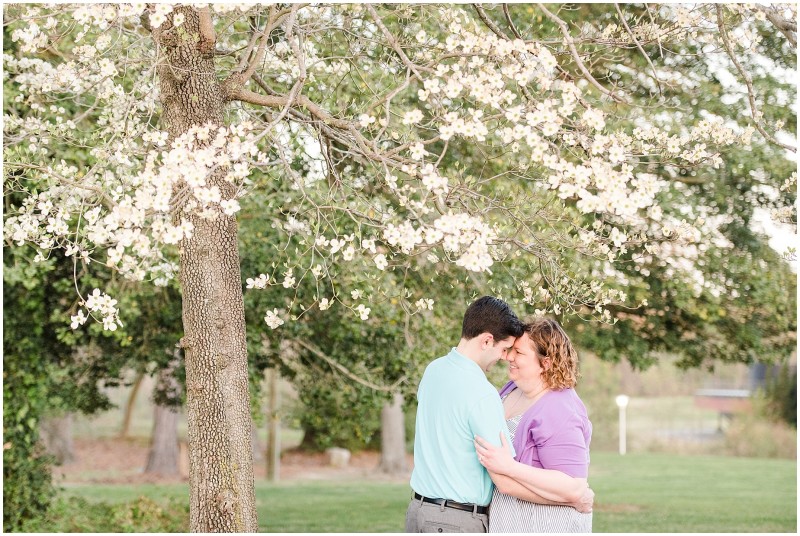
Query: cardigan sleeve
{"points": [[554, 435], [565, 449]]}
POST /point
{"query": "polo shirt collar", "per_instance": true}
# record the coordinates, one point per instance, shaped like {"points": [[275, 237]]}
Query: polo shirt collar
{"points": [[465, 363]]}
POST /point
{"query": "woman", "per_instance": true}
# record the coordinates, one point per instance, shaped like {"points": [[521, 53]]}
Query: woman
{"points": [[550, 430]]}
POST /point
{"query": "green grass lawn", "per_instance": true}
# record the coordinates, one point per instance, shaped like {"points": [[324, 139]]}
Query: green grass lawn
{"points": [[635, 493], [664, 493]]}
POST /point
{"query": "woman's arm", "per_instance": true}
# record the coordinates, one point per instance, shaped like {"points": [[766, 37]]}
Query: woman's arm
{"points": [[509, 486], [549, 484]]}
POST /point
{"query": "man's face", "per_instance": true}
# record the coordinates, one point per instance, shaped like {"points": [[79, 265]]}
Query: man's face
{"points": [[499, 350]]}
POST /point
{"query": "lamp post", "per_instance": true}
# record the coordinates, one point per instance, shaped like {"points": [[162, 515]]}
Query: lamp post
{"points": [[622, 403]]}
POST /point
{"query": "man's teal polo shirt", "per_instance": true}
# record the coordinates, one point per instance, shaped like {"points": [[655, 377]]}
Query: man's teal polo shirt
{"points": [[455, 403]]}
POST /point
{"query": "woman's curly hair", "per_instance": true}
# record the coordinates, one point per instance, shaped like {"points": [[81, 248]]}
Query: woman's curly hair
{"points": [[550, 341]]}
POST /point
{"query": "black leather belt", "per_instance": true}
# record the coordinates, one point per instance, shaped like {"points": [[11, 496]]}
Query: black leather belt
{"points": [[452, 504]]}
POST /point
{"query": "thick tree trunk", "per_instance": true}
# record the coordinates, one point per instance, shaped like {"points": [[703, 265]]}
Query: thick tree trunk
{"points": [[222, 487], [56, 436], [126, 422], [164, 456], [393, 437], [164, 450]]}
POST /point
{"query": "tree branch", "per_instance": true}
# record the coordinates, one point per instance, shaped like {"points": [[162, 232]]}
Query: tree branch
{"points": [[108, 202], [235, 92], [243, 65], [488, 22], [511, 22], [787, 27], [301, 63], [639, 46], [319, 353], [272, 22], [748, 82], [493, 27], [658, 38], [259, 56], [574, 52], [395, 45], [208, 38]]}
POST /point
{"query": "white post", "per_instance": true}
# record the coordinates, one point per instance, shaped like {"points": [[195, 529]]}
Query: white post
{"points": [[622, 403]]}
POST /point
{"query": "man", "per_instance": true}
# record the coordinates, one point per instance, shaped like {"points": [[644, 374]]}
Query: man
{"points": [[455, 403]]}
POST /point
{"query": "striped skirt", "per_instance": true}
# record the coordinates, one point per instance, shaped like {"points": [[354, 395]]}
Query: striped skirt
{"points": [[509, 514]]}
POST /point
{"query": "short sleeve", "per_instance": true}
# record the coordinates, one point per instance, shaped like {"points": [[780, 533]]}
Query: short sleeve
{"points": [[486, 419], [566, 449]]}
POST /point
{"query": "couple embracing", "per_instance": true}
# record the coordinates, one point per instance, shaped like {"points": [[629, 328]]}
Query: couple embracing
{"points": [[517, 462]]}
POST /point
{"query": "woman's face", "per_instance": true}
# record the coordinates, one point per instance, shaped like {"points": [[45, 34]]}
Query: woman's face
{"points": [[524, 361]]}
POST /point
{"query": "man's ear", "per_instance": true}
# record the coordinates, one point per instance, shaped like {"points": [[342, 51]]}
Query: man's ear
{"points": [[487, 340]]}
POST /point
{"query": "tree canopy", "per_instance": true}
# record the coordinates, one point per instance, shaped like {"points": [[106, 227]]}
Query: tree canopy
{"points": [[602, 162]]}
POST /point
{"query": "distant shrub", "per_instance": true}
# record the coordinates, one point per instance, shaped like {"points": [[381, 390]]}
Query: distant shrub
{"points": [[27, 486], [76, 514], [752, 434], [339, 415], [781, 394]]}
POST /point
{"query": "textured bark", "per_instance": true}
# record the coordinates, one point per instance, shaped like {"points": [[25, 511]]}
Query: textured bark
{"points": [[56, 437], [222, 493], [393, 437], [164, 450]]}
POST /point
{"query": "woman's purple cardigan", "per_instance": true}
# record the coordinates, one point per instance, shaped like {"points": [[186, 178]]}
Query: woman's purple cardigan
{"points": [[554, 433]]}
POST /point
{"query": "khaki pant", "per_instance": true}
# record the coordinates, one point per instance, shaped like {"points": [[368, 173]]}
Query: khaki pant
{"points": [[427, 517]]}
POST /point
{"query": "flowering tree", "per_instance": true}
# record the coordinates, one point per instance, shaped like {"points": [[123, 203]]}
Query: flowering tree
{"points": [[381, 140]]}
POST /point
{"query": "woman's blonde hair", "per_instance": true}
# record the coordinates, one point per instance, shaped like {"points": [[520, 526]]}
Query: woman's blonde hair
{"points": [[550, 342]]}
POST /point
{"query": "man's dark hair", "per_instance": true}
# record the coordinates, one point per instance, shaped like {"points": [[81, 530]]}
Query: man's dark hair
{"points": [[491, 315]]}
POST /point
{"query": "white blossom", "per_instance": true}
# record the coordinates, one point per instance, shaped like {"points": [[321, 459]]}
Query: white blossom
{"points": [[363, 312], [259, 283], [273, 319], [424, 303], [412, 117]]}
